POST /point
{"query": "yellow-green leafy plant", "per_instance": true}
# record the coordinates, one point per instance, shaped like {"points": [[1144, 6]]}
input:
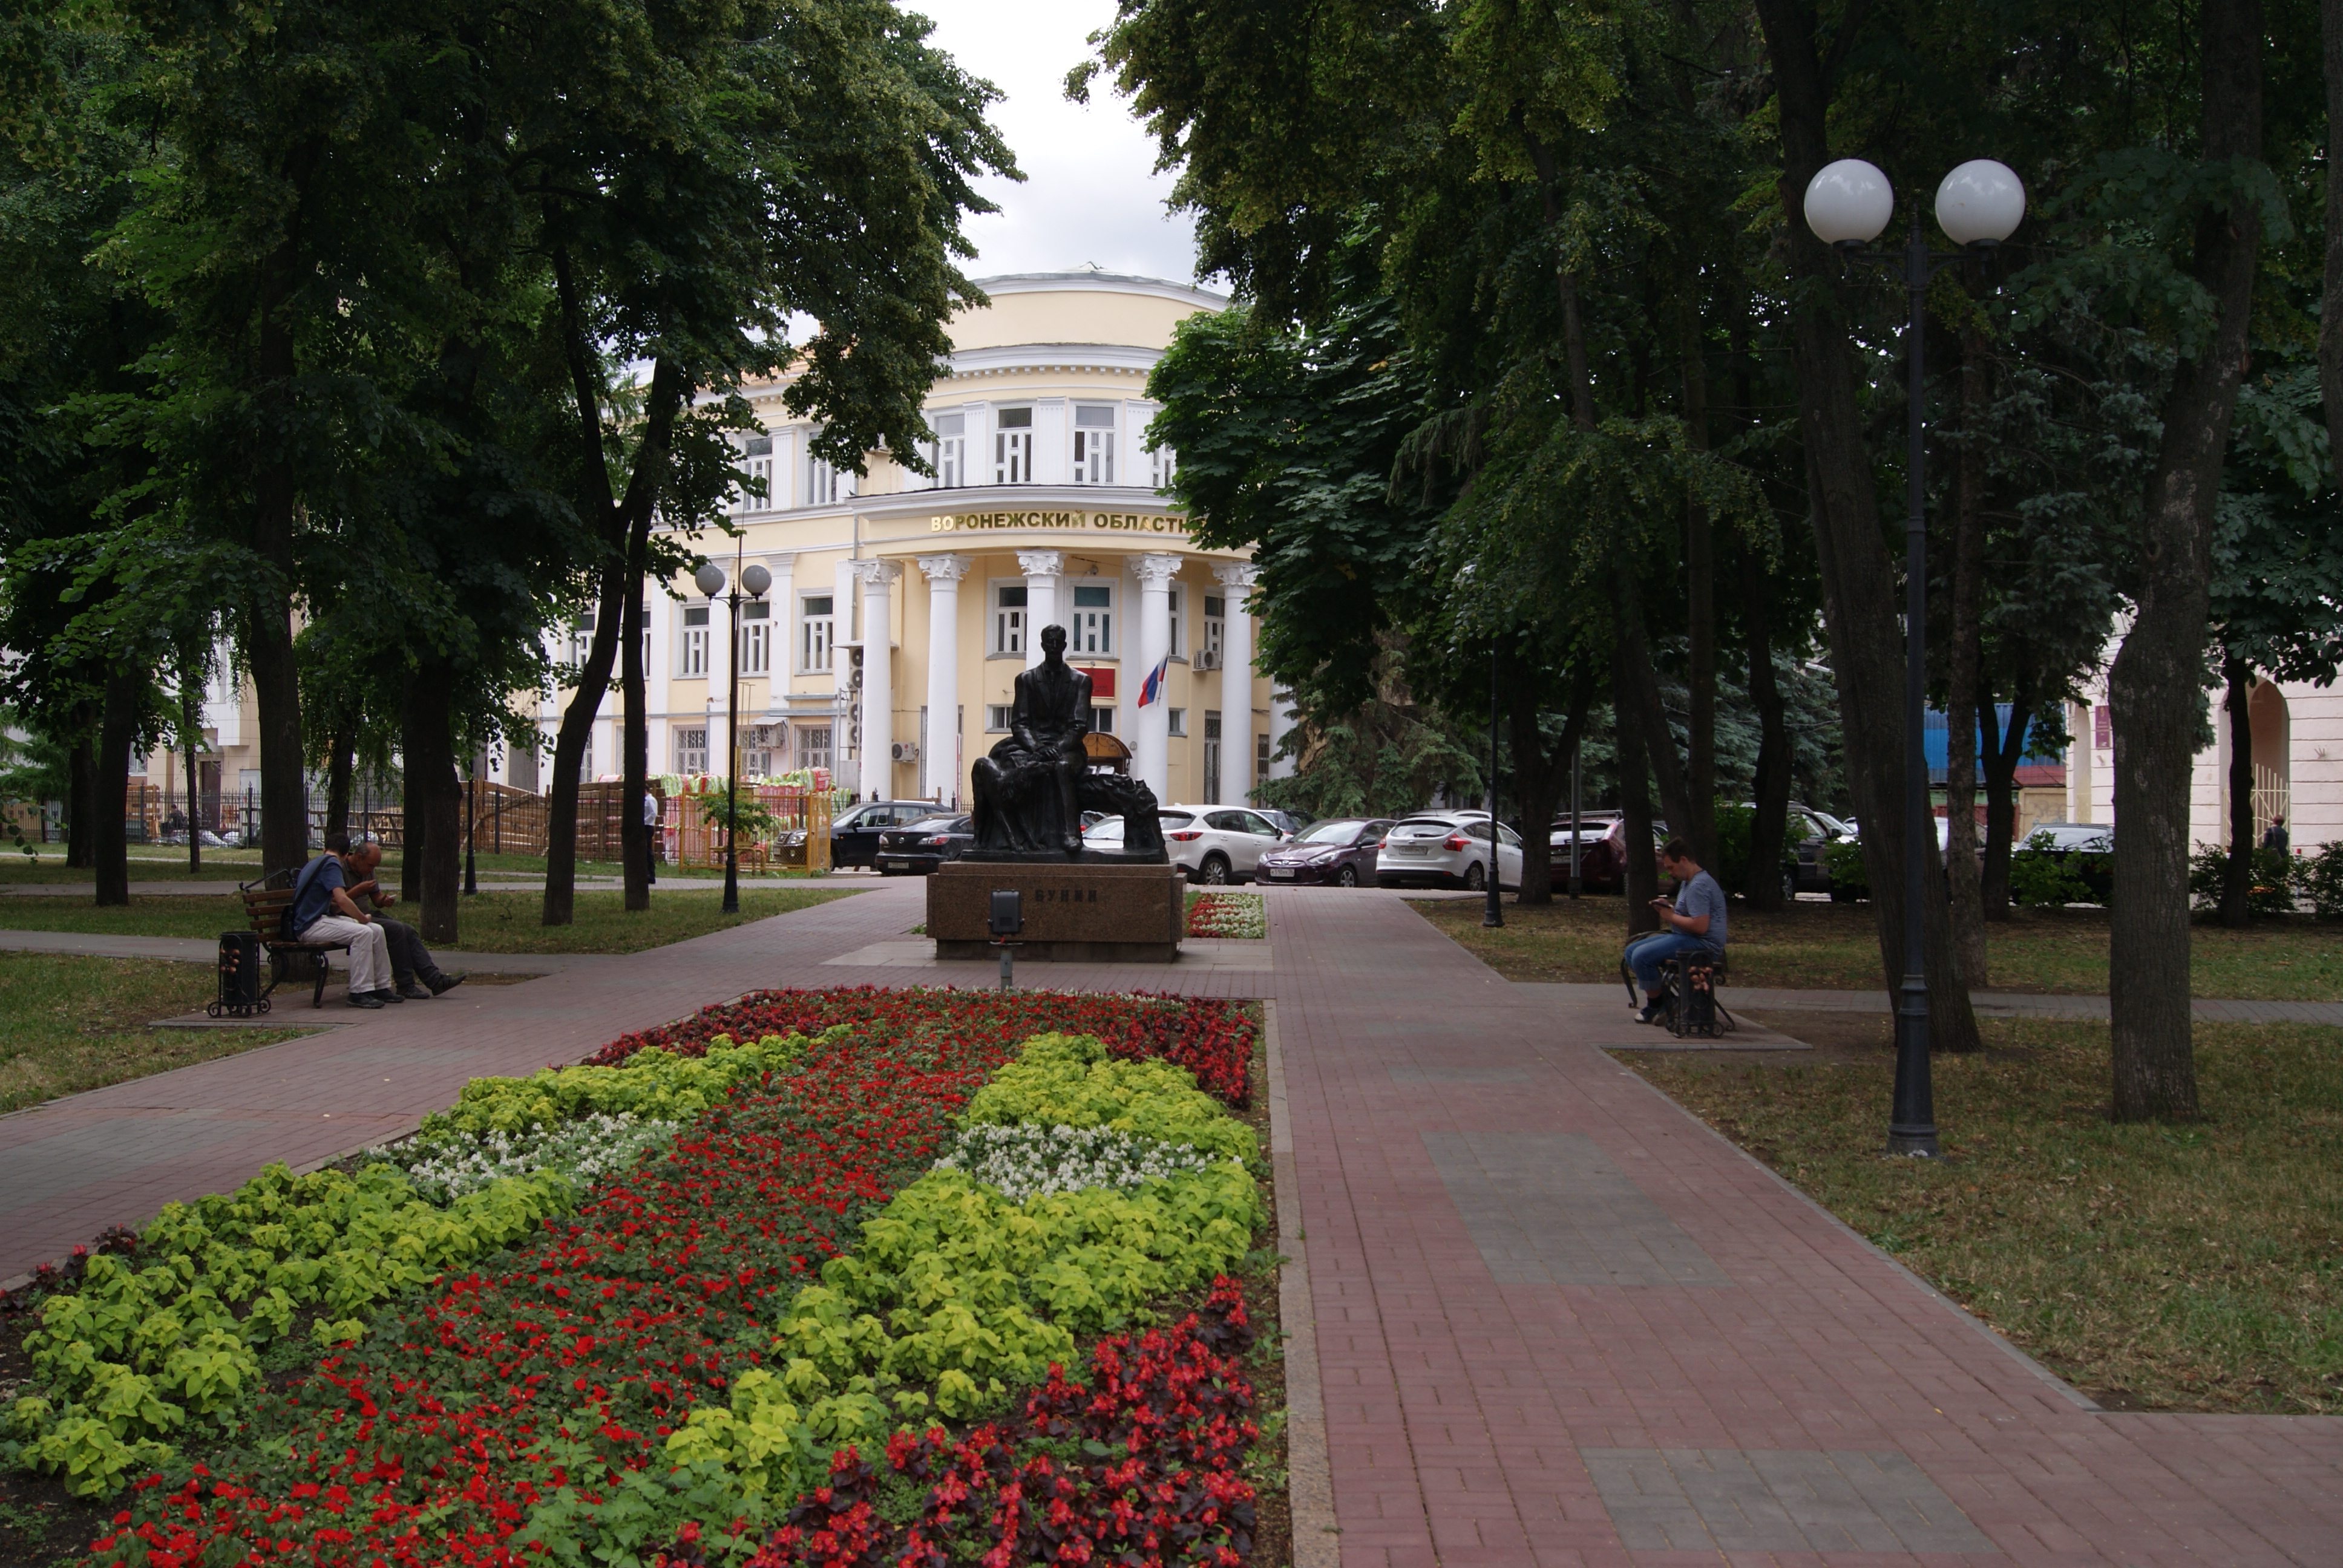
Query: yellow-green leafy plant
{"points": [[655, 1085], [1069, 1080]]}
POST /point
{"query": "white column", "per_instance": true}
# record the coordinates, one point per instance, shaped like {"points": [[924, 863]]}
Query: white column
{"points": [[845, 773], [878, 578], [1041, 569], [943, 744], [1236, 580], [1151, 746], [780, 657]]}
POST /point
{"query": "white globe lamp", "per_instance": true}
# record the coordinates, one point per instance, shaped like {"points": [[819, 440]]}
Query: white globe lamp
{"points": [[756, 579], [1848, 202], [1980, 202], [710, 578]]}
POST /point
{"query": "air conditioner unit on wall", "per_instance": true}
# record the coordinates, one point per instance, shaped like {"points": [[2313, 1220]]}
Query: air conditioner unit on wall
{"points": [[1208, 659], [905, 750]]}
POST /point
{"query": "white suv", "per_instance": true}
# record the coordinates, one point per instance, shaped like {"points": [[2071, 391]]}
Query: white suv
{"points": [[1448, 850], [1211, 843]]}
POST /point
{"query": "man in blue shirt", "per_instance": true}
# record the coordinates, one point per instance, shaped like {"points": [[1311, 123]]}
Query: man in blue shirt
{"points": [[324, 911], [1696, 923]]}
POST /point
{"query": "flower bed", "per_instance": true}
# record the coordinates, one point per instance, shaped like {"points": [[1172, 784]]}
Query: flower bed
{"points": [[1212, 1039], [1228, 915], [655, 1362]]}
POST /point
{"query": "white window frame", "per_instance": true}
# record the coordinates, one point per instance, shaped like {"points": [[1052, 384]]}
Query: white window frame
{"points": [[756, 463], [997, 716], [690, 756], [1163, 462], [813, 745], [695, 649], [1012, 446], [1178, 602], [757, 638], [949, 451], [1007, 625], [826, 484], [1089, 629], [1216, 626], [1096, 431], [1176, 719], [817, 635], [1102, 718]]}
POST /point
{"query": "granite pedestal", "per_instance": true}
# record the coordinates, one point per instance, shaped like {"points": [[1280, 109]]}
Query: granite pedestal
{"points": [[1078, 912]]}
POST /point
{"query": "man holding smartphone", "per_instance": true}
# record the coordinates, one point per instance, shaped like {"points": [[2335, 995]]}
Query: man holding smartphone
{"points": [[1696, 920]]}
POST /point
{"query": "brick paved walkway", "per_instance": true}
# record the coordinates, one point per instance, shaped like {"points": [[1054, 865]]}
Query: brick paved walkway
{"points": [[1556, 1320]]}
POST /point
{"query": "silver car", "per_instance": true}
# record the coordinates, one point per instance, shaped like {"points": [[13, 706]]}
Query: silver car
{"points": [[1447, 850], [1213, 844]]}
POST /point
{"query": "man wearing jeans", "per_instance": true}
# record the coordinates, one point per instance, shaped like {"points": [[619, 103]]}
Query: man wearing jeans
{"points": [[417, 976], [324, 911], [1697, 923]]}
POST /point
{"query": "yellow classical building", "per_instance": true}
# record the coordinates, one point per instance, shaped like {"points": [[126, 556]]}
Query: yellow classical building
{"points": [[902, 607]]}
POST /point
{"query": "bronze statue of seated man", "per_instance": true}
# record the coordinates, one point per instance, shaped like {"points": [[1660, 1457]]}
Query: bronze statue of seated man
{"points": [[1027, 792]]}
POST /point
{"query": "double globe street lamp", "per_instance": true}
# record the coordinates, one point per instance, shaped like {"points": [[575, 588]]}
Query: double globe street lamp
{"points": [[753, 580], [1979, 206]]}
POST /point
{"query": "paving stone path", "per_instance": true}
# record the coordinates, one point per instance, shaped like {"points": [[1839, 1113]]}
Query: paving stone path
{"points": [[1555, 1320]]}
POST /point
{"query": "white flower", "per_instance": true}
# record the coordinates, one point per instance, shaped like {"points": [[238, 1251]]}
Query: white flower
{"points": [[443, 1169], [1027, 1161]]}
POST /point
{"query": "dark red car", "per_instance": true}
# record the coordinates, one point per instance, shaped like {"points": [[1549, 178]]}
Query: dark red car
{"points": [[1601, 854], [1338, 852]]}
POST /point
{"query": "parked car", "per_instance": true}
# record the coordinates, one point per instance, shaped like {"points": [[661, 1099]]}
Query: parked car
{"points": [[1447, 850], [1805, 835], [854, 832], [1213, 844], [2081, 847], [1602, 853], [916, 851], [1288, 822], [1338, 852]]}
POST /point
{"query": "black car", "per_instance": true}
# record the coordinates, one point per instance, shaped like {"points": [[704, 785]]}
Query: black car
{"points": [[854, 832], [1339, 852], [916, 851], [1805, 837]]}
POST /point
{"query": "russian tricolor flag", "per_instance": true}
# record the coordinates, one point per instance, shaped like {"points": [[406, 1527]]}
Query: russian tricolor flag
{"points": [[1152, 689]]}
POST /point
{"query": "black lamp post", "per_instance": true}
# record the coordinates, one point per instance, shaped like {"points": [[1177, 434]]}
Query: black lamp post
{"points": [[1979, 204], [471, 868], [754, 579]]}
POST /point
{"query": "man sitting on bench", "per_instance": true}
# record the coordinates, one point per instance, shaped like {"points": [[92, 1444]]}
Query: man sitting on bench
{"points": [[324, 911], [416, 974], [1694, 925]]}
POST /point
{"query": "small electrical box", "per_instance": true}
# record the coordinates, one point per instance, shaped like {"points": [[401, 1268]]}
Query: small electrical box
{"points": [[1007, 912]]}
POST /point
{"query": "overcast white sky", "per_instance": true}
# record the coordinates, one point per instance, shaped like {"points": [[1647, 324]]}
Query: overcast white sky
{"points": [[1090, 194]]}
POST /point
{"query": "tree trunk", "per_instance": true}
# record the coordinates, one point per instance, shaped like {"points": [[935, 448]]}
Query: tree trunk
{"points": [[1639, 877], [2004, 747], [81, 785], [192, 730], [1963, 663], [1541, 774], [596, 504], [1774, 745], [1860, 597], [1647, 713], [2238, 873], [268, 621], [338, 768], [111, 785], [2154, 689], [1699, 823], [634, 834], [2330, 316], [434, 834]]}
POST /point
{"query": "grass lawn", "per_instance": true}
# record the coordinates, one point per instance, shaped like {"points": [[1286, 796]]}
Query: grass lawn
{"points": [[1836, 947], [70, 1023], [489, 923], [2189, 1268], [162, 863]]}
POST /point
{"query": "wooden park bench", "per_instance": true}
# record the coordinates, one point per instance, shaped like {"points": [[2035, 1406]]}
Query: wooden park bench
{"points": [[265, 903]]}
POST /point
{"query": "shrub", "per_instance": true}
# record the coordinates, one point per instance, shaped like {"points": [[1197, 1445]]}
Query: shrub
{"points": [[2320, 879], [2276, 876], [1843, 858]]}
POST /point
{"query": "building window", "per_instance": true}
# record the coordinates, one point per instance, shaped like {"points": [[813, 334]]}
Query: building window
{"points": [[756, 638], [824, 483], [757, 464], [814, 628], [1178, 602], [1007, 617], [1091, 627], [1212, 757], [813, 745], [1093, 444], [1178, 721], [646, 625], [695, 642], [1012, 447], [581, 637], [949, 451], [1101, 721], [1215, 629], [691, 750], [996, 717], [1162, 464], [757, 743], [1260, 758]]}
